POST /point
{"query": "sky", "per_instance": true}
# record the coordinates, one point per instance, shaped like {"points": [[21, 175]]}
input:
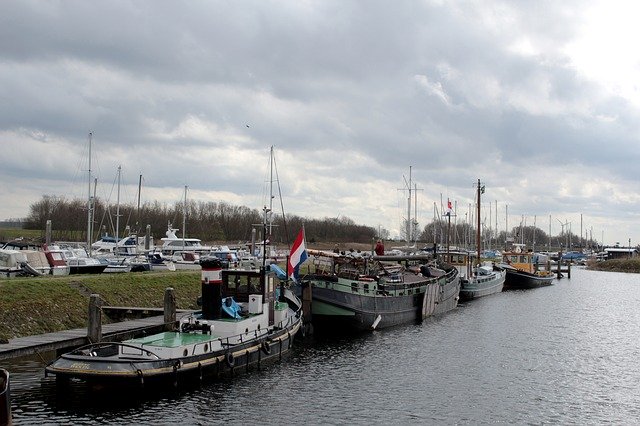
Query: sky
{"points": [[540, 100]]}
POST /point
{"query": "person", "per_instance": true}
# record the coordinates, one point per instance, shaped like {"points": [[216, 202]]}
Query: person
{"points": [[379, 248]]}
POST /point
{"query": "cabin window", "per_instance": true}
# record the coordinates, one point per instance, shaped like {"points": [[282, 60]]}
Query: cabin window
{"points": [[514, 259]]}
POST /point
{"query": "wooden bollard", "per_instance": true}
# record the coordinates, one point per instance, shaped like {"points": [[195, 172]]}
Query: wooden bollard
{"points": [[306, 309], [94, 330], [169, 309]]}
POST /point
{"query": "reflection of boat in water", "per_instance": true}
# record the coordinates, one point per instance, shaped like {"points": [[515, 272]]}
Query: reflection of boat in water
{"points": [[5, 398], [522, 270], [365, 293], [246, 320]]}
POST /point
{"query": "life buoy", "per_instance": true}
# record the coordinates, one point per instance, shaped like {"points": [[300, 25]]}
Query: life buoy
{"points": [[231, 361], [266, 347]]}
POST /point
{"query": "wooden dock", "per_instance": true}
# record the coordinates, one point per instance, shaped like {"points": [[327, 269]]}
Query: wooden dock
{"points": [[68, 339], [63, 341]]}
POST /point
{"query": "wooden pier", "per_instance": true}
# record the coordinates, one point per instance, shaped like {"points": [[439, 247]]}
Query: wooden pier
{"points": [[63, 341]]}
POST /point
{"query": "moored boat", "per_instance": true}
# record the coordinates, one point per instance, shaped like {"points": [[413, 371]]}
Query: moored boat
{"points": [[5, 398], [476, 280], [361, 293], [522, 270], [246, 320]]}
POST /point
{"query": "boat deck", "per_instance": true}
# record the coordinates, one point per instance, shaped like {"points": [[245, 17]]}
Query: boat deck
{"points": [[170, 339]]}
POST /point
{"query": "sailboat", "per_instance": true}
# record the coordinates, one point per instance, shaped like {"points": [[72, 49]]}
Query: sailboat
{"points": [[362, 292], [476, 280]]}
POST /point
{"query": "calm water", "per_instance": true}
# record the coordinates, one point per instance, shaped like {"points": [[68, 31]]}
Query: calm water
{"points": [[565, 354]]}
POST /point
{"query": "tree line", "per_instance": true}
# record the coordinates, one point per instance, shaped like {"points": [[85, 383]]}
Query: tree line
{"points": [[221, 221], [208, 221]]}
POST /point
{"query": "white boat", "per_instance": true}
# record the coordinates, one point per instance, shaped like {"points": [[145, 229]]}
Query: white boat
{"points": [[131, 245], [78, 259], [11, 263], [172, 243]]}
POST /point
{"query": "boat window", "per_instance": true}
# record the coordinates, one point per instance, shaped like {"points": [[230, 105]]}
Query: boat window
{"points": [[514, 259]]}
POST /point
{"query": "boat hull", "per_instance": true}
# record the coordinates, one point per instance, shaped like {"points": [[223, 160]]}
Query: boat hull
{"points": [[368, 308], [523, 280], [87, 269], [5, 398], [234, 360], [483, 286]]}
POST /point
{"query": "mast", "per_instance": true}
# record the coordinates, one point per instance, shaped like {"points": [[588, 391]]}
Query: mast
{"points": [[478, 229], [409, 210], [138, 208], [89, 199], [184, 217], [118, 210]]}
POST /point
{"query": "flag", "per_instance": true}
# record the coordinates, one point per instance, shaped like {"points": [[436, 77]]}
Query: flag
{"points": [[449, 207], [297, 256]]}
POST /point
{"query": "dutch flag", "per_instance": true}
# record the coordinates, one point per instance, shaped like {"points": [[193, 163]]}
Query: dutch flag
{"points": [[297, 256]]}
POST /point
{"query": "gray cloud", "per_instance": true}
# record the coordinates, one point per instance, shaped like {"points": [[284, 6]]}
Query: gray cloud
{"points": [[350, 93]]}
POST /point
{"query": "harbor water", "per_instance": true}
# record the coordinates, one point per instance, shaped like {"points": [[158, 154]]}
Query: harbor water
{"points": [[564, 354]]}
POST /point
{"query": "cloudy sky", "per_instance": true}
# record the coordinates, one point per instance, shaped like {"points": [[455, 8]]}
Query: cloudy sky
{"points": [[538, 99]]}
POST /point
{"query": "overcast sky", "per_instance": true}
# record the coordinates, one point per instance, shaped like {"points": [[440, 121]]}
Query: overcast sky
{"points": [[538, 99]]}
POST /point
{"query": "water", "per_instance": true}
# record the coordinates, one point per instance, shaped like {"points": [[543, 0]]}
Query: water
{"points": [[565, 354]]}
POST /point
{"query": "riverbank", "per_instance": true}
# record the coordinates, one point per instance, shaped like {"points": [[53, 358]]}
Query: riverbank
{"points": [[616, 265], [39, 305]]}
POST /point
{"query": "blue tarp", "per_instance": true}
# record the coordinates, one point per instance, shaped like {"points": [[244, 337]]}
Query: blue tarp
{"points": [[280, 273], [231, 308]]}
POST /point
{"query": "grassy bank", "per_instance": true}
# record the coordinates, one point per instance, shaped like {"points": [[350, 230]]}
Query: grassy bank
{"points": [[31, 306], [616, 265]]}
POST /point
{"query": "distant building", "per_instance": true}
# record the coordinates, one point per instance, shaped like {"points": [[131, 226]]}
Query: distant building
{"points": [[621, 252]]}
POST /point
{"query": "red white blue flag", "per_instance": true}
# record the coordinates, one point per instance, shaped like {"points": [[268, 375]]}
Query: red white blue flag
{"points": [[297, 256]]}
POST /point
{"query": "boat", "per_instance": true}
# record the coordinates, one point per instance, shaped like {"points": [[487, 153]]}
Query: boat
{"points": [[362, 292], [5, 398], [56, 260], [23, 263], [246, 320], [476, 279], [523, 271], [78, 260]]}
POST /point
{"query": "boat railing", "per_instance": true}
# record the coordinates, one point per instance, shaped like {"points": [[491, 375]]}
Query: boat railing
{"points": [[109, 349]]}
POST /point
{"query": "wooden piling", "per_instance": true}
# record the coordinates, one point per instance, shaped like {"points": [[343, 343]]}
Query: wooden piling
{"points": [[94, 330], [569, 270], [558, 272], [169, 309], [306, 309]]}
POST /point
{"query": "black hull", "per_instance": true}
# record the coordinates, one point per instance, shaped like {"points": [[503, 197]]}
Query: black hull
{"points": [[5, 398], [91, 269], [238, 359], [524, 280], [340, 311]]}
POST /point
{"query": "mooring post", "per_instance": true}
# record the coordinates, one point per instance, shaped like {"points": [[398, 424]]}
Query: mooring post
{"points": [[169, 309], [94, 331], [306, 308], [559, 271], [569, 270]]}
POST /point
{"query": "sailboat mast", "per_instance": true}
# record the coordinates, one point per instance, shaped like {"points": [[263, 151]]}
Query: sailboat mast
{"points": [[89, 199], [118, 210], [409, 210], [184, 217], [478, 229], [271, 188], [138, 208]]}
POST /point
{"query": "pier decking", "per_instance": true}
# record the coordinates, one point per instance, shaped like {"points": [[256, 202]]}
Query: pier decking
{"points": [[63, 340]]}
